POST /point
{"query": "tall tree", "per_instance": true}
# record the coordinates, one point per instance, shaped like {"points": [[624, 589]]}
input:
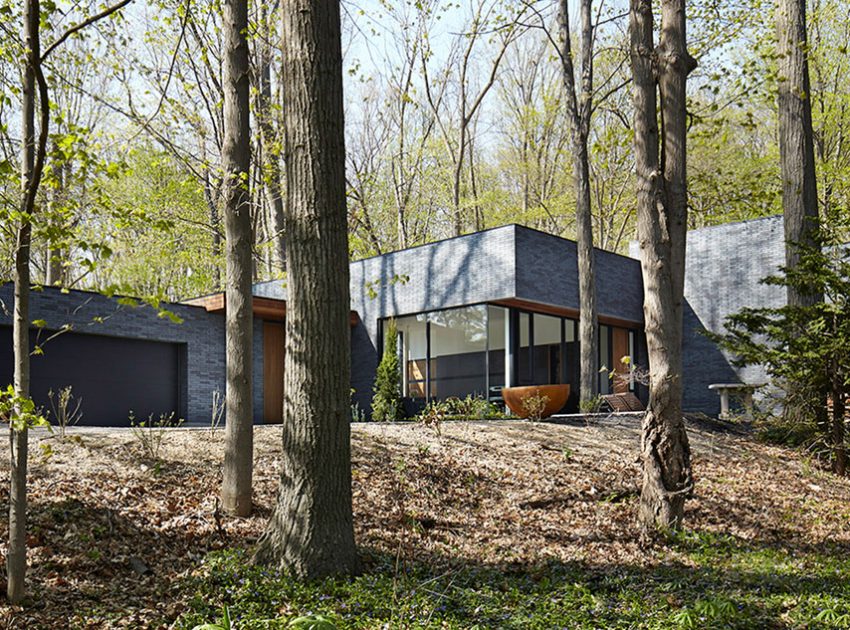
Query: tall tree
{"points": [[662, 229], [457, 128], [33, 154], [311, 530], [236, 161], [799, 182], [796, 140], [267, 107], [578, 113], [34, 89]]}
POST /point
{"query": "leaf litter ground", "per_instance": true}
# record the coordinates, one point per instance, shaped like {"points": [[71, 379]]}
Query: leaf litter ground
{"points": [[114, 535]]}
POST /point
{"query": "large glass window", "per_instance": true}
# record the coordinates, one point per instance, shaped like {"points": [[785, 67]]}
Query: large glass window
{"points": [[413, 347], [547, 349], [458, 352], [465, 351], [497, 334]]}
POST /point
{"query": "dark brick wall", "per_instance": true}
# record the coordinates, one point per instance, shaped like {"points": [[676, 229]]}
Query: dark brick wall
{"points": [[724, 268], [547, 272], [201, 332]]}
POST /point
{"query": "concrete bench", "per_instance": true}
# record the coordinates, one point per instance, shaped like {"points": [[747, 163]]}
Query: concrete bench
{"points": [[743, 390]]}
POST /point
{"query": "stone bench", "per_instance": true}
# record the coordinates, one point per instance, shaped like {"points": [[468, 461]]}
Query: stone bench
{"points": [[743, 390]]}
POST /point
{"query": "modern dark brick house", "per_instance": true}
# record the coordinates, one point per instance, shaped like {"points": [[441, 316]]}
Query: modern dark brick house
{"points": [[475, 313]]}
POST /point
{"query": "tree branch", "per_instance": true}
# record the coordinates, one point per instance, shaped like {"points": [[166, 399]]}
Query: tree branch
{"points": [[78, 27]]}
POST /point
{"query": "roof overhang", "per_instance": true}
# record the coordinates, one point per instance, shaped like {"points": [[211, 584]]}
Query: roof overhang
{"points": [[269, 309], [572, 313]]}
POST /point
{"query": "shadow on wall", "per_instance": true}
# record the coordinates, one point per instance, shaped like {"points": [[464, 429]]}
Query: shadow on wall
{"points": [[703, 363]]}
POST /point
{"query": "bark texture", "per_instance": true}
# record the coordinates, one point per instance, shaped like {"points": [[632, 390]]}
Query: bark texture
{"points": [[662, 226], [796, 140], [54, 271], [799, 182], [236, 157], [579, 112], [311, 530]]}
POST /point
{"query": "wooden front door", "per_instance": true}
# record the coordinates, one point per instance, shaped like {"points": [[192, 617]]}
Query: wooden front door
{"points": [[620, 343], [274, 349]]}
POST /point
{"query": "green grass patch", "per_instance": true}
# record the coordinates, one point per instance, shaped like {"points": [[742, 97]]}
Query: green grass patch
{"points": [[702, 581]]}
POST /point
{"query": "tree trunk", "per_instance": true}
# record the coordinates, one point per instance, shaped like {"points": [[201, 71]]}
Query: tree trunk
{"points": [[272, 176], [839, 449], [236, 158], [662, 223], [16, 554], [579, 116], [838, 446], [796, 144], [212, 206], [799, 183], [311, 531]]}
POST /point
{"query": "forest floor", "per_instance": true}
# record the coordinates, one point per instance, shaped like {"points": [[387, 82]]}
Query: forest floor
{"points": [[486, 524]]}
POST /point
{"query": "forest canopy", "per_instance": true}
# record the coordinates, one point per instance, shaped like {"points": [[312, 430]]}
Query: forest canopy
{"points": [[455, 122]]}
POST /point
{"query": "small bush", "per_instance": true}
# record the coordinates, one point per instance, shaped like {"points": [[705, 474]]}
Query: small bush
{"points": [[594, 405], [469, 408], [148, 434], [473, 408], [65, 410], [534, 405], [386, 402]]}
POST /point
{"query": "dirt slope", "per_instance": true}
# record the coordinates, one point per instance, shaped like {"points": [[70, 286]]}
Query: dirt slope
{"points": [[113, 531]]}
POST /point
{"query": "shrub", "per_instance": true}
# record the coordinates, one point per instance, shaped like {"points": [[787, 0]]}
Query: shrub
{"points": [[534, 405], [469, 408], [149, 433], [66, 412], [386, 402], [592, 405], [433, 415], [803, 347], [473, 408]]}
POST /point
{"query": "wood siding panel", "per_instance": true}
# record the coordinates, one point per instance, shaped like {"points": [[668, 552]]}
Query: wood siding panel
{"points": [[274, 340]]}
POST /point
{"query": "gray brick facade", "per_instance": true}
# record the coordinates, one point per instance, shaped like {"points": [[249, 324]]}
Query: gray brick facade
{"points": [[200, 333], [724, 267], [547, 272]]}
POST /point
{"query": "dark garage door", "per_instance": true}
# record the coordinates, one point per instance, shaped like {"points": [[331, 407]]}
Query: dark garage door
{"points": [[112, 375]]}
